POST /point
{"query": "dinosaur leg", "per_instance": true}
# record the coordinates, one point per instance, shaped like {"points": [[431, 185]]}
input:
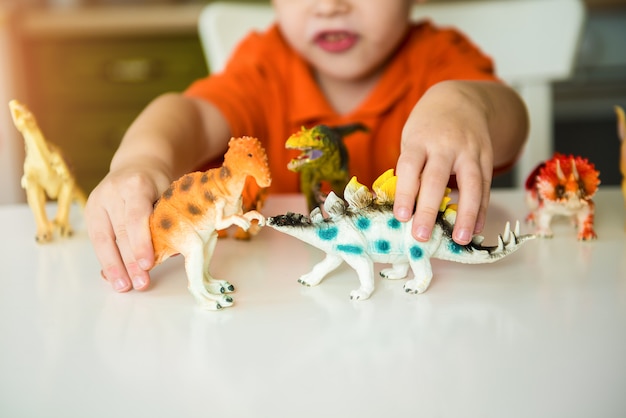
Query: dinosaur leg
{"points": [[244, 235], [194, 267], [64, 202], [255, 227], [532, 201], [585, 222], [37, 201], [320, 270], [364, 268], [543, 225], [422, 275], [397, 271], [253, 199], [211, 284]]}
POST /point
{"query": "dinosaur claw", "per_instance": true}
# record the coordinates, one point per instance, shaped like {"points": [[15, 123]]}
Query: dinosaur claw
{"points": [[302, 282], [360, 294], [227, 289]]}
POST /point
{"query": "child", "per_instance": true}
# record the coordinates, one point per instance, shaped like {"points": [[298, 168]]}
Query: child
{"points": [[428, 96]]}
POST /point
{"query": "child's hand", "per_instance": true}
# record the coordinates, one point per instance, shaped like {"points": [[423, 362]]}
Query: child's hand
{"points": [[117, 215], [447, 133]]}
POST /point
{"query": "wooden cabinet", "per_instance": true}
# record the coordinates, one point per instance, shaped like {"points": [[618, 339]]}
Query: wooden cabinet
{"points": [[86, 85]]}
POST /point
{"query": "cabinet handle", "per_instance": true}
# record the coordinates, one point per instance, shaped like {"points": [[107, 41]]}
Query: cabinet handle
{"points": [[131, 70]]}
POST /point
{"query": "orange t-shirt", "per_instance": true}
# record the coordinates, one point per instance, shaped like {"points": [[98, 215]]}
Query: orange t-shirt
{"points": [[268, 91]]}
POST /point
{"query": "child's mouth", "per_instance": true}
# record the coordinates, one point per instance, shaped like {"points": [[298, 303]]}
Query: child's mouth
{"points": [[335, 41]]}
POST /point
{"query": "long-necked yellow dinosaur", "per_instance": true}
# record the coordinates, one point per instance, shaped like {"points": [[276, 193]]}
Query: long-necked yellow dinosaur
{"points": [[46, 175]]}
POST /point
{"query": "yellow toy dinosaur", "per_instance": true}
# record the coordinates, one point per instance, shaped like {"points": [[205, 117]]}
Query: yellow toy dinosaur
{"points": [[188, 215], [46, 175]]}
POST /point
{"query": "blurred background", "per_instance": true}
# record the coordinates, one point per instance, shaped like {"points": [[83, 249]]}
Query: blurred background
{"points": [[87, 67]]}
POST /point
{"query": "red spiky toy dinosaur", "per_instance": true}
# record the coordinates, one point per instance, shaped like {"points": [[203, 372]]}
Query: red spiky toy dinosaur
{"points": [[563, 186]]}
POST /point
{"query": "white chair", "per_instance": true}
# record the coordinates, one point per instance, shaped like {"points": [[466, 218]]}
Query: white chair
{"points": [[533, 43], [222, 25]]}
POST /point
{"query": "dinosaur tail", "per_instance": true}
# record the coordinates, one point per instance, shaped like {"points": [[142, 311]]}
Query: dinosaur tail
{"points": [[345, 130], [475, 253]]}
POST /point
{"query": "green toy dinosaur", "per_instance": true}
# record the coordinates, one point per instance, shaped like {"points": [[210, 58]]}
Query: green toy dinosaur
{"points": [[324, 158]]}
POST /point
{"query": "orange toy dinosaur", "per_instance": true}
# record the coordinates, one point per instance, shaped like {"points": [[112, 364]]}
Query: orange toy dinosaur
{"points": [[190, 212], [621, 132]]}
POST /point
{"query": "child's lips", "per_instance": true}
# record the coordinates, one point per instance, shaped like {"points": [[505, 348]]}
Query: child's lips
{"points": [[335, 41]]}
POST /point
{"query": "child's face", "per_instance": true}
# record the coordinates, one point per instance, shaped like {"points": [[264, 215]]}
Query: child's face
{"points": [[344, 39]]}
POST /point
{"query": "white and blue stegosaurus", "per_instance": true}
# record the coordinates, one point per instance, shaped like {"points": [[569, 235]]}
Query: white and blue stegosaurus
{"points": [[365, 232]]}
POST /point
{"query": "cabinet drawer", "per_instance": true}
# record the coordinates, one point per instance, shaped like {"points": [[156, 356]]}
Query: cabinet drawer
{"points": [[100, 71]]}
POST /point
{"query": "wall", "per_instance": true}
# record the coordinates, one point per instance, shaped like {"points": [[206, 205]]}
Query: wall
{"points": [[585, 121], [11, 143]]}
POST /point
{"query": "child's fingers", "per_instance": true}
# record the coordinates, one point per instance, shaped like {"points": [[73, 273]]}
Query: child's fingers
{"points": [[113, 239], [472, 191], [128, 232], [103, 239], [484, 204], [435, 178], [408, 173], [139, 277], [139, 240]]}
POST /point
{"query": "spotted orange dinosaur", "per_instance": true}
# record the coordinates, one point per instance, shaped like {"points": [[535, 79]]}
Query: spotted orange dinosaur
{"points": [[190, 212]]}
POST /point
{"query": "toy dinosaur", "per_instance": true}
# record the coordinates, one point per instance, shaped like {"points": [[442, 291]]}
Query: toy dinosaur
{"points": [[189, 213], [563, 186], [46, 175], [366, 232], [324, 158], [621, 132]]}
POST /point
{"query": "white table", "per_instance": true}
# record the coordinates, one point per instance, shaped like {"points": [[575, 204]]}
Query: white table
{"points": [[541, 333]]}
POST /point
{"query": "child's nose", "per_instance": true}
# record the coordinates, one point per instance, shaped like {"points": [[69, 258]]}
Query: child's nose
{"points": [[331, 7]]}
